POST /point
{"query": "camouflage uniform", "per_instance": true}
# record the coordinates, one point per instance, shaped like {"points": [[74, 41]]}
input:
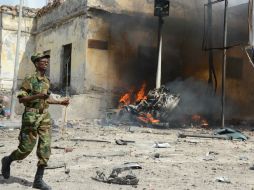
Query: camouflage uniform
{"points": [[35, 121]]}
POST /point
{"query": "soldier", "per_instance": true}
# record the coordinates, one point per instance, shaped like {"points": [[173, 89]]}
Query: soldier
{"points": [[36, 122]]}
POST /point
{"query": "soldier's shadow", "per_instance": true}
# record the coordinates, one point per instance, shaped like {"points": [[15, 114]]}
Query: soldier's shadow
{"points": [[18, 180]]}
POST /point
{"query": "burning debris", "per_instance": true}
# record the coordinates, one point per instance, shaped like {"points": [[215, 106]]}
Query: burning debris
{"points": [[151, 109]]}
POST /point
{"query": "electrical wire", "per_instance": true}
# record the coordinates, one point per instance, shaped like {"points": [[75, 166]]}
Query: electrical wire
{"points": [[212, 72]]}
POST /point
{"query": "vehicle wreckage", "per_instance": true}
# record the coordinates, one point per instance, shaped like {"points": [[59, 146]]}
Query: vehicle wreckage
{"points": [[154, 109]]}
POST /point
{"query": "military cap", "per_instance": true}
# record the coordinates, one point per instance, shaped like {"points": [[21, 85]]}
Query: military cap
{"points": [[37, 56]]}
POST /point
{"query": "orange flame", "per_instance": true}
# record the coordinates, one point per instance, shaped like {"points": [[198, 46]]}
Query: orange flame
{"points": [[141, 93], [147, 118], [126, 98]]}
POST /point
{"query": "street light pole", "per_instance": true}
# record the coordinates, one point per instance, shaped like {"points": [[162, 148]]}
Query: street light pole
{"points": [[158, 74], [16, 67], [161, 9], [224, 66]]}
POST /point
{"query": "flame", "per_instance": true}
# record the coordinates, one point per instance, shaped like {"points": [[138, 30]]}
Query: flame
{"points": [[141, 93], [151, 119], [147, 118], [127, 98], [199, 120]]}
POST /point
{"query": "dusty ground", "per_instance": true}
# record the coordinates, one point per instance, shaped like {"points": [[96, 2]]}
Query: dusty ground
{"points": [[182, 166]]}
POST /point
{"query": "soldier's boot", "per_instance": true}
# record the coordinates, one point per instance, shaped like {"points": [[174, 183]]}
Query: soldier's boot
{"points": [[6, 163], [38, 181]]}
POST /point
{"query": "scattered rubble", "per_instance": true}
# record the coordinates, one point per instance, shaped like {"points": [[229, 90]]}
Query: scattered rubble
{"points": [[89, 157], [90, 140], [123, 142], [55, 166], [210, 156], [119, 176], [231, 133], [222, 179], [161, 145], [223, 137]]}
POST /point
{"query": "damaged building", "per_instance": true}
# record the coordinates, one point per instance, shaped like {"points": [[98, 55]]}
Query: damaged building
{"points": [[102, 48]]}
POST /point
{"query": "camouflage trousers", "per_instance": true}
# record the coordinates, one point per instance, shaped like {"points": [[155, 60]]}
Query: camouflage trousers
{"points": [[34, 125]]}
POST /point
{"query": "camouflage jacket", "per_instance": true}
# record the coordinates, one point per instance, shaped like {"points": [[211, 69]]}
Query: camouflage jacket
{"points": [[32, 85]]}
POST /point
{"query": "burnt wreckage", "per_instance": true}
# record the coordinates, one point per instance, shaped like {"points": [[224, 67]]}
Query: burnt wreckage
{"points": [[154, 109]]}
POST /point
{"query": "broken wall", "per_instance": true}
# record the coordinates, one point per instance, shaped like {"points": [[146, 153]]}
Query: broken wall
{"points": [[61, 26]]}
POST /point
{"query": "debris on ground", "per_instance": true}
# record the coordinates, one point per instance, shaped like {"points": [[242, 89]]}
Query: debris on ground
{"points": [[209, 153], [90, 140], [244, 158], [231, 133], [161, 145], [210, 156], [99, 155], [119, 175], [66, 149], [123, 142], [88, 157], [222, 179], [156, 155], [252, 167], [55, 166], [224, 137]]}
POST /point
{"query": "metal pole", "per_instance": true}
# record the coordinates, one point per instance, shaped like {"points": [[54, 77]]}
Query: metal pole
{"points": [[158, 75], [210, 42], [251, 22], [16, 67], [224, 66]]}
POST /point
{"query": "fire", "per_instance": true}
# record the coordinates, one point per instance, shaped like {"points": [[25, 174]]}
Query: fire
{"points": [[127, 98], [141, 93], [199, 120], [134, 98], [147, 118]]}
